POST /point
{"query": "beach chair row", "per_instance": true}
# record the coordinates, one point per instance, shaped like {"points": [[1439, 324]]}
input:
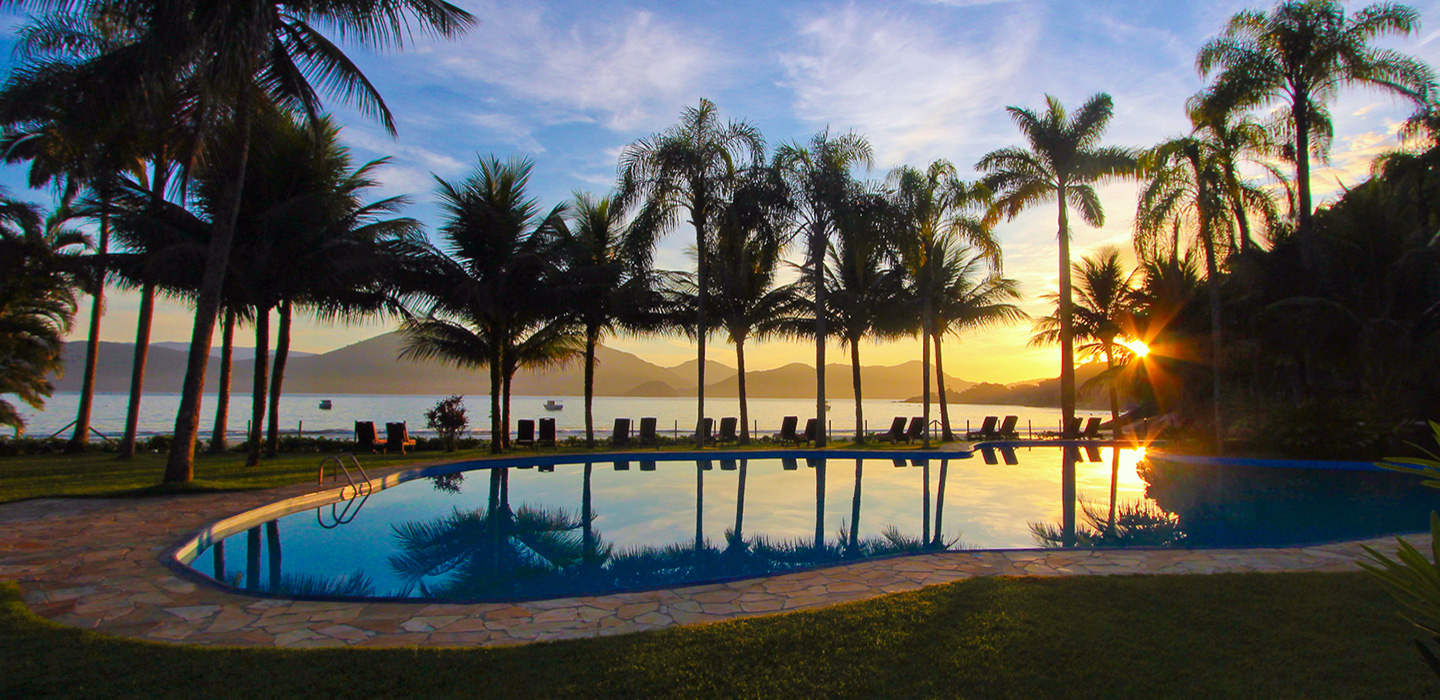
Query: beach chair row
{"points": [[397, 437]]}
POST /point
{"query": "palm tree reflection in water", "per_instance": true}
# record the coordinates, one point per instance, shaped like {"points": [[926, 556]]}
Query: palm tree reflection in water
{"points": [[1137, 523]]}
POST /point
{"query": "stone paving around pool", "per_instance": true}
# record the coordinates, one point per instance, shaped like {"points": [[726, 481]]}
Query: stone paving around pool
{"points": [[96, 564]]}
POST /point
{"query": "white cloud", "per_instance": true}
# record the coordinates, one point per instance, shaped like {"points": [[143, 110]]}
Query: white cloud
{"points": [[627, 72], [914, 91], [508, 129]]}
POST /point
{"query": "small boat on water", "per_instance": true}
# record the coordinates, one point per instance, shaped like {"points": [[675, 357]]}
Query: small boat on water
{"points": [[553, 405], [326, 405]]}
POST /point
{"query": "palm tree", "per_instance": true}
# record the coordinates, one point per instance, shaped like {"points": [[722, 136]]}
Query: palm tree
{"points": [[605, 291], [1185, 193], [966, 300], [468, 296], [1106, 299], [37, 302], [750, 235], [1063, 164], [233, 55], [936, 209], [691, 167], [222, 388], [1235, 141], [819, 176], [1299, 55], [864, 287]]}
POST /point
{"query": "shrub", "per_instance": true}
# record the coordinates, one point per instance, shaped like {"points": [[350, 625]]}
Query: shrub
{"points": [[448, 419]]}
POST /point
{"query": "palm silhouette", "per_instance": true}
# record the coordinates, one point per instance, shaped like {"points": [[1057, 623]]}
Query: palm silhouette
{"points": [[1299, 55], [1063, 164], [969, 298], [690, 167], [819, 177]]}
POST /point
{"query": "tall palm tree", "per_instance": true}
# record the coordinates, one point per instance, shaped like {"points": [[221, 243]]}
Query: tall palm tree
{"points": [[605, 290], [689, 167], [1106, 299], [1238, 141], [937, 211], [819, 176], [1185, 194], [38, 273], [469, 293], [1299, 55], [1062, 164], [969, 298], [750, 235], [863, 287]]}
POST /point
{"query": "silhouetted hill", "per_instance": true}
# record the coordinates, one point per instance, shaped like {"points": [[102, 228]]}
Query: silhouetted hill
{"points": [[240, 353], [1045, 392], [797, 380]]}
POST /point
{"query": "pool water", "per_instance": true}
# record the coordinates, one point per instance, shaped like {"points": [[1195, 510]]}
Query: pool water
{"points": [[477, 533]]}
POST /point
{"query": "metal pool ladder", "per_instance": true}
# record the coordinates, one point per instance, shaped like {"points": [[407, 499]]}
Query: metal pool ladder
{"points": [[341, 468]]}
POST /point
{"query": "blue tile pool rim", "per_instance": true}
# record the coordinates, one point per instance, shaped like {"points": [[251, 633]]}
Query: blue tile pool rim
{"points": [[179, 557]]}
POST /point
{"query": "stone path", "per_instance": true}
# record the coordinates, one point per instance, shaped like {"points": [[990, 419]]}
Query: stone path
{"points": [[96, 564]]}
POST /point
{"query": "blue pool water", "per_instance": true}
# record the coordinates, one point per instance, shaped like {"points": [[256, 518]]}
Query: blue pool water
{"points": [[478, 533]]}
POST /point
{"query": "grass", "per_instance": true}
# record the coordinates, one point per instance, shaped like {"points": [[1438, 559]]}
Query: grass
{"points": [[101, 474], [1222, 636]]}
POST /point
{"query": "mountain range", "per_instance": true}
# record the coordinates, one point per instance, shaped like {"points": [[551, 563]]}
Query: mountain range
{"points": [[372, 367]]}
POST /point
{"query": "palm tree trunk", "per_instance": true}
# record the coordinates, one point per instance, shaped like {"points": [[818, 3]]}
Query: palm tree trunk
{"points": [[1114, 393], [925, 392], [739, 531], [925, 502], [258, 384], [277, 380], [272, 541], [702, 287], [505, 405], [1069, 457], [497, 439], [180, 466], [1298, 108], [587, 533], [222, 393], [592, 338], [820, 505], [740, 378], [81, 438], [855, 382], [855, 509], [1067, 323], [137, 369], [945, 432], [699, 505], [817, 257], [1212, 284]]}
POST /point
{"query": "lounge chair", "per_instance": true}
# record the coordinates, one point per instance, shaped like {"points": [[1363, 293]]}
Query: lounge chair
{"points": [[1007, 429], [729, 465], [727, 431], [705, 431], [397, 437], [620, 436], [899, 463], [811, 428], [622, 465], [986, 431], [917, 429], [1092, 429], [988, 454], [365, 437], [1072, 429], [814, 462], [1092, 453], [706, 465], [547, 433], [525, 432], [790, 463], [787, 434], [647, 433], [896, 432], [647, 465], [1007, 453]]}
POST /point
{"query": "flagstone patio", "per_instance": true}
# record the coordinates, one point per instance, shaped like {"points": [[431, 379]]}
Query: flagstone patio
{"points": [[97, 564]]}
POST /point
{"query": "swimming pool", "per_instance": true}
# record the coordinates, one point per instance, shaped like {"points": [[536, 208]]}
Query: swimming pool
{"points": [[550, 526]]}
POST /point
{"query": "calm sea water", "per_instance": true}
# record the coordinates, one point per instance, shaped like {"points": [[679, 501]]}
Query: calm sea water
{"points": [[157, 413]]}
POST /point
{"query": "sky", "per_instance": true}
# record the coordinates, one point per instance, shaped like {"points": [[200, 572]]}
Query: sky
{"points": [[570, 84]]}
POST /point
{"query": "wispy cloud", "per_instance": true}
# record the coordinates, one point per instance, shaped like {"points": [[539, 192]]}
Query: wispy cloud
{"points": [[626, 72], [915, 91]]}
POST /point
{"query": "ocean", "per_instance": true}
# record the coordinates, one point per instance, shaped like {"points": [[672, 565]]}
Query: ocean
{"points": [[302, 412]]}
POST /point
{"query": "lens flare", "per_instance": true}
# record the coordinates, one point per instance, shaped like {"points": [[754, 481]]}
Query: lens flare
{"points": [[1138, 347]]}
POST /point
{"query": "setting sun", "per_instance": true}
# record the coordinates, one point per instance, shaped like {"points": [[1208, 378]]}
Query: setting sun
{"points": [[1138, 347]]}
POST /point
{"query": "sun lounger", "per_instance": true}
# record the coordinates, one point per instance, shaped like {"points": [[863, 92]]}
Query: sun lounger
{"points": [[728, 465], [986, 431], [917, 429], [620, 436], [727, 430], [648, 437], [705, 431], [1007, 430], [790, 463], [1072, 429], [706, 465], [397, 437], [787, 434], [622, 465], [547, 433], [899, 463], [988, 454], [814, 462], [896, 432], [812, 427], [365, 437], [525, 432], [647, 465], [1092, 453], [1092, 429]]}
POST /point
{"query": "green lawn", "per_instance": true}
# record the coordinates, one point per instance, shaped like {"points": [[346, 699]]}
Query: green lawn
{"points": [[1223, 636]]}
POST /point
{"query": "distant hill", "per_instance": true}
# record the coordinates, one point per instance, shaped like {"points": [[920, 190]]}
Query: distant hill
{"points": [[372, 367], [1045, 392], [240, 353]]}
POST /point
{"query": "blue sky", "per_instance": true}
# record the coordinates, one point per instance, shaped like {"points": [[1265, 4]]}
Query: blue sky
{"points": [[569, 84]]}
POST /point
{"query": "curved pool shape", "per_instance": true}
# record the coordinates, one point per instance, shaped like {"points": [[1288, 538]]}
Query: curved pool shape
{"points": [[512, 530]]}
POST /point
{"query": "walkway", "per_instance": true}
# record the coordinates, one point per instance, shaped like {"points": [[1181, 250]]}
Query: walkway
{"points": [[96, 564]]}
